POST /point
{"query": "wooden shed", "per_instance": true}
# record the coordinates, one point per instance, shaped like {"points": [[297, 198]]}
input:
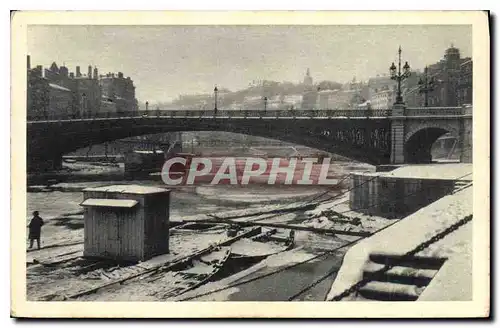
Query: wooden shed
{"points": [[126, 222]]}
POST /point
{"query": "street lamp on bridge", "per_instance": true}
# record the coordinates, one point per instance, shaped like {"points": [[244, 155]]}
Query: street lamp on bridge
{"points": [[215, 98], [147, 106], [426, 85], [399, 76], [265, 104]]}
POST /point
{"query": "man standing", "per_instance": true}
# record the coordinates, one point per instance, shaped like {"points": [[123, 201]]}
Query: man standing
{"points": [[35, 226]]}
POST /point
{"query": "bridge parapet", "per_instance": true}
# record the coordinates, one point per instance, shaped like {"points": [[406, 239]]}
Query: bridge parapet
{"points": [[241, 114], [437, 111]]}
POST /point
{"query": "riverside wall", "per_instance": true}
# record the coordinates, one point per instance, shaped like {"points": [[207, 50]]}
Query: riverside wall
{"points": [[395, 197]]}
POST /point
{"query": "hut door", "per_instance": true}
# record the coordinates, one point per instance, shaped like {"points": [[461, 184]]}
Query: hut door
{"points": [[114, 240]]}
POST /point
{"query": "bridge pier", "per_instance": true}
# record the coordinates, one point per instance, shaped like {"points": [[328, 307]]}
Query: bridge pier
{"points": [[398, 134], [465, 136]]}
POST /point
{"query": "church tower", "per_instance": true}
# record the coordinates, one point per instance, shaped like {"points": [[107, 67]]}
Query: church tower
{"points": [[308, 81]]}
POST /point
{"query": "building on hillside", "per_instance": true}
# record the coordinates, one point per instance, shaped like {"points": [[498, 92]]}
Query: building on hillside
{"points": [[412, 97], [291, 100], [379, 83], [384, 98], [253, 103], [120, 90], [310, 100], [326, 98], [342, 99], [365, 106], [308, 80], [410, 90]]}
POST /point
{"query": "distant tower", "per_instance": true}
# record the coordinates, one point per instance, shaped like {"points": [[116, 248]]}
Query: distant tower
{"points": [[308, 79], [89, 72], [78, 73], [96, 73], [452, 57]]}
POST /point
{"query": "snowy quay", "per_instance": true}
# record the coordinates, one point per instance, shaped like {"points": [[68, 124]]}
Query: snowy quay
{"points": [[258, 243], [423, 256]]}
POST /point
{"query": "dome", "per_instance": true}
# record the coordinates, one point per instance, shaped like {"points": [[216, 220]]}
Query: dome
{"points": [[452, 53]]}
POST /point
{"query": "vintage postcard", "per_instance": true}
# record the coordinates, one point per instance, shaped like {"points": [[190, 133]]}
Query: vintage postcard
{"points": [[250, 164]]}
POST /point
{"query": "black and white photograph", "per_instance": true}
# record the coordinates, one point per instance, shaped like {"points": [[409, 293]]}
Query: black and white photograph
{"points": [[329, 160]]}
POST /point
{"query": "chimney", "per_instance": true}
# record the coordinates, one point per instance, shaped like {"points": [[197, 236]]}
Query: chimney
{"points": [[78, 73], [63, 70], [89, 72], [96, 73], [39, 69], [29, 62]]}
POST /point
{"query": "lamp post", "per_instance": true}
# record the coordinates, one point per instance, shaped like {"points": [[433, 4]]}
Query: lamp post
{"points": [[147, 106], [265, 104], [426, 85], [215, 98], [399, 76]]}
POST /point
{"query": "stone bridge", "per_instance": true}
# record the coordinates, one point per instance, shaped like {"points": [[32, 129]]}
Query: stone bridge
{"points": [[398, 135]]}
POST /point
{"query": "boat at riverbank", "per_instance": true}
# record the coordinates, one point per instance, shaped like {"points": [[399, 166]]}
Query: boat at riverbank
{"points": [[193, 272], [269, 242]]}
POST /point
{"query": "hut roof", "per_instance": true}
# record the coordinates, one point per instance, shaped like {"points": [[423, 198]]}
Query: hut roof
{"points": [[127, 203], [128, 189]]}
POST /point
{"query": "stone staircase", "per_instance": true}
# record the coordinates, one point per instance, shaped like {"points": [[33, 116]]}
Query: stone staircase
{"points": [[404, 282]]}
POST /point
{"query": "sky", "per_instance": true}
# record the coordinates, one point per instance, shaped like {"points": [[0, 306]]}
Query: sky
{"points": [[166, 61]]}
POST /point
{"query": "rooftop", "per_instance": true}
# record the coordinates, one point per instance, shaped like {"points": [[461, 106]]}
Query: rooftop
{"points": [[128, 189], [58, 87]]}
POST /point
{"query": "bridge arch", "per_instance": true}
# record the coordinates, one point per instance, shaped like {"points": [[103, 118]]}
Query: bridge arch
{"points": [[419, 141], [364, 140]]}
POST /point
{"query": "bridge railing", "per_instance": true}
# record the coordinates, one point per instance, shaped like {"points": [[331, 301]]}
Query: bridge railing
{"points": [[253, 113], [434, 111], [205, 114]]}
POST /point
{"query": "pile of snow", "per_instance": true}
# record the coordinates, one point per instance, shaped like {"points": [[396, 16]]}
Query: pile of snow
{"points": [[432, 171], [409, 233], [327, 206]]}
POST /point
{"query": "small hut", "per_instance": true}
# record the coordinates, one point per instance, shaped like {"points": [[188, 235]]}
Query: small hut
{"points": [[126, 222]]}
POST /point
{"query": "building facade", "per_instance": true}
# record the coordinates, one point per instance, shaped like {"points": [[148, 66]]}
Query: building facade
{"points": [[38, 93], [451, 77], [60, 101], [56, 91], [378, 84], [310, 99], [465, 82], [120, 90], [383, 99]]}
